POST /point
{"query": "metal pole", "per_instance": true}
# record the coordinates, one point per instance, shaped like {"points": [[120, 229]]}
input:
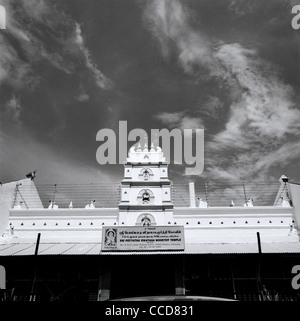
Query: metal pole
{"points": [[32, 294], [258, 242], [233, 285], [179, 277], [258, 280], [37, 244]]}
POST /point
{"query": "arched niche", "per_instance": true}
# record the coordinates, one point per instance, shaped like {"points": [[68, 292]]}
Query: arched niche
{"points": [[146, 174], [145, 196], [145, 219]]}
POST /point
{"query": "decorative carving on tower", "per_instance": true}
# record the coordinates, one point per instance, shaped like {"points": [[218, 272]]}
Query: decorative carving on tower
{"points": [[145, 189], [145, 196], [146, 174], [145, 219]]}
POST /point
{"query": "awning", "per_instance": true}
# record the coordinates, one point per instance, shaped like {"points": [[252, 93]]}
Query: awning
{"points": [[24, 249]]}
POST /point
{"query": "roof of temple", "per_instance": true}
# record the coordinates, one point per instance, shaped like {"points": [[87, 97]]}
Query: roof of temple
{"points": [[81, 248]]}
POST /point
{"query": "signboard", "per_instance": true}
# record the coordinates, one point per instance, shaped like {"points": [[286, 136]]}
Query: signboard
{"points": [[142, 238]]}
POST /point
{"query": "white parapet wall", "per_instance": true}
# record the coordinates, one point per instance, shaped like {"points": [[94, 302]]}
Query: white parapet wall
{"points": [[59, 225], [202, 225], [237, 224]]}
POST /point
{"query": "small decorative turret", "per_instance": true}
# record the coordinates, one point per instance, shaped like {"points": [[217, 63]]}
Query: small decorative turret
{"points": [[50, 205], [202, 204], [139, 155], [91, 205], [152, 148], [145, 150], [249, 203]]}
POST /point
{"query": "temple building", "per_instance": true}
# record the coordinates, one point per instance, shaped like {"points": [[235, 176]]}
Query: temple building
{"points": [[136, 241]]}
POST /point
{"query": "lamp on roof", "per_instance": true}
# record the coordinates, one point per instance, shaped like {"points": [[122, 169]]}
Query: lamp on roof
{"points": [[284, 179]]}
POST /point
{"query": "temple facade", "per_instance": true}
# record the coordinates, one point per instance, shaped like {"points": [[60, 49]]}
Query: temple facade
{"points": [[243, 252]]}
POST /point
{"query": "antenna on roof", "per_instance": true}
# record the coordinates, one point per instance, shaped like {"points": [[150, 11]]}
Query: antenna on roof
{"points": [[54, 194], [17, 191], [91, 187], [245, 195], [206, 191]]}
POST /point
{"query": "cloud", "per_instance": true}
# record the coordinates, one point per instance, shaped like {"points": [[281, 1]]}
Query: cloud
{"points": [[286, 153], [41, 33], [83, 97], [99, 77], [188, 122], [254, 164], [212, 108], [265, 108], [179, 120], [243, 7], [52, 164], [13, 69], [261, 115], [45, 64], [169, 23], [169, 118], [14, 108]]}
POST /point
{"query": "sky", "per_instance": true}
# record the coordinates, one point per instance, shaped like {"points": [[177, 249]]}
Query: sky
{"points": [[70, 68]]}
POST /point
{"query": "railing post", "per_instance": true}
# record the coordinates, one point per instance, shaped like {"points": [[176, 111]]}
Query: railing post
{"points": [[245, 195]]}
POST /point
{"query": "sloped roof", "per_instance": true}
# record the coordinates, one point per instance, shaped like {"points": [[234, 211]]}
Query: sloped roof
{"points": [[22, 191]]}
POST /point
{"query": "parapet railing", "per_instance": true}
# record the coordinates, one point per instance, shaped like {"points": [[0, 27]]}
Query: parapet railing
{"points": [[67, 195], [107, 195], [228, 193]]}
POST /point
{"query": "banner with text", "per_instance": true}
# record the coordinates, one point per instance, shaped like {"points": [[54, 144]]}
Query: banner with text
{"points": [[142, 238]]}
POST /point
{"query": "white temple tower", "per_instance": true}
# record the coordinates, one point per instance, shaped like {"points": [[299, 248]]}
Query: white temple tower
{"points": [[146, 194]]}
